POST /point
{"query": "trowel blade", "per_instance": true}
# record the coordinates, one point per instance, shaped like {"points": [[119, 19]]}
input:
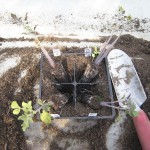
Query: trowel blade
{"points": [[125, 78]]}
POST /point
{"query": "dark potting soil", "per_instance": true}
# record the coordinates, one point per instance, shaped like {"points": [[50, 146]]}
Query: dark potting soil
{"points": [[11, 135]]}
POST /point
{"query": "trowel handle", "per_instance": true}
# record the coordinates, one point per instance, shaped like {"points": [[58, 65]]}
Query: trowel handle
{"points": [[142, 125]]}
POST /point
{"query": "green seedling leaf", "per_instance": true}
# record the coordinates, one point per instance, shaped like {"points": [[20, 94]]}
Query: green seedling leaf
{"points": [[95, 49], [27, 119], [22, 117], [134, 113], [129, 18], [118, 118], [14, 105], [24, 104], [16, 111], [47, 108], [99, 98], [40, 102], [28, 28], [95, 52], [121, 9], [93, 55], [25, 125], [45, 117], [27, 107], [131, 109]]}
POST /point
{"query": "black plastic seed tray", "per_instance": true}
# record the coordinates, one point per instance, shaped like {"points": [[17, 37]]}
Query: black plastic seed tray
{"points": [[74, 84]]}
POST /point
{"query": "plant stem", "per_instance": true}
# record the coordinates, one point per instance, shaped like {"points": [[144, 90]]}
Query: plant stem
{"points": [[38, 110], [113, 102], [107, 105]]}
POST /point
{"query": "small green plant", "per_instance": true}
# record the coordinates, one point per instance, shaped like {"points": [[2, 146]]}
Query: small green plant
{"points": [[118, 118], [26, 112], [132, 109], [129, 18], [122, 15], [121, 10], [95, 53], [128, 106], [99, 98], [122, 20]]}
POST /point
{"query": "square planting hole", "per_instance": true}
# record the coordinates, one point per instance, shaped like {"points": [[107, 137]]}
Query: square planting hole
{"points": [[76, 87]]}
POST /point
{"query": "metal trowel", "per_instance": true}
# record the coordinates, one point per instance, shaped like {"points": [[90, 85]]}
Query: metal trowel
{"points": [[126, 82], [125, 78]]}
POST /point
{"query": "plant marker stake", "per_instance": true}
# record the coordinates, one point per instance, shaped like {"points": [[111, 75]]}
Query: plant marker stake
{"points": [[103, 50], [106, 49], [50, 60], [52, 63]]}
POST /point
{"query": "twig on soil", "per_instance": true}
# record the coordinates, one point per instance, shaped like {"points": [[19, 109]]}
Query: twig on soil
{"points": [[8, 111], [5, 146]]}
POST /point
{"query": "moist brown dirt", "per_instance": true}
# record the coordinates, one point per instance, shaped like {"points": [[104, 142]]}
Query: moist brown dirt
{"points": [[11, 135]]}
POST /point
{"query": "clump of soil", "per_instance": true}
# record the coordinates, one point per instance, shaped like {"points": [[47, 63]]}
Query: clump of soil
{"points": [[11, 135]]}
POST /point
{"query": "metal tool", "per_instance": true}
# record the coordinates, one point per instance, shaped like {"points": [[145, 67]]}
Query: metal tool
{"points": [[126, 82]]}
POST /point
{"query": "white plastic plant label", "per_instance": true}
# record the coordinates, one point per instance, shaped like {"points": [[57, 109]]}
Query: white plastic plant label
{"points": [[56, 52], [92, 114], [55, 115], [87, 52]]}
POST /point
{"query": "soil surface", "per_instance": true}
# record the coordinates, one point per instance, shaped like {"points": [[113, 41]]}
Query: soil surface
{"points": [[11, 134]]}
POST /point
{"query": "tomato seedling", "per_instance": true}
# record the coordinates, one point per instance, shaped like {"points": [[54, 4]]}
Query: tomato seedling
{"points": [[26, 112]]}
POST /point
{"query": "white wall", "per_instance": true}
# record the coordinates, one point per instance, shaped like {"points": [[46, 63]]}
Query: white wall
{"points": [[138, 8], [77, 16]]}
